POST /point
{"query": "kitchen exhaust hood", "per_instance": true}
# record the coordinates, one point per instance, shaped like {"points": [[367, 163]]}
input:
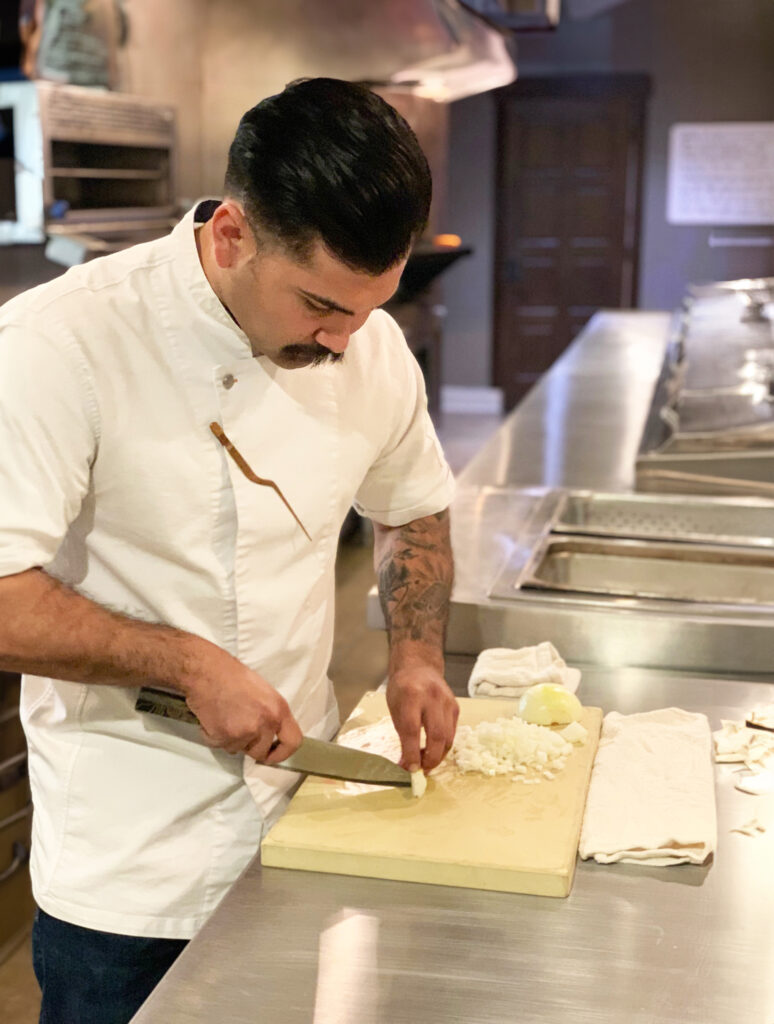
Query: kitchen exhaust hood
{"points": [[436, 49], [475, 59], [518, 15], [534, 15]]}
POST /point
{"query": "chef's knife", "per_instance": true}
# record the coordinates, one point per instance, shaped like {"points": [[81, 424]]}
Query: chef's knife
{"points": [[314, 757]]}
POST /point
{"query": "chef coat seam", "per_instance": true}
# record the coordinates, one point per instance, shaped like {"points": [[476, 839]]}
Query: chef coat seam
{"points": [[332, 524], [32, 708], [209, 888], [210, 896], [91, 395], [243, 609], [222, 537], [229, 614], [66, 789]]}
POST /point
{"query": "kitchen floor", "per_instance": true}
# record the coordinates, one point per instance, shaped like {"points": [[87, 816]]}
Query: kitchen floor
{"points": [[358, 664]]}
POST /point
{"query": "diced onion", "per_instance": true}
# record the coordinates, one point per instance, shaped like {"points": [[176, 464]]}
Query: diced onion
{"points": [[574, 733], [510, 746], [418, 783]]}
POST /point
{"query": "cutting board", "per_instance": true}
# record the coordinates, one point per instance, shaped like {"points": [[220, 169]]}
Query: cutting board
{"points": [[467, 830]]}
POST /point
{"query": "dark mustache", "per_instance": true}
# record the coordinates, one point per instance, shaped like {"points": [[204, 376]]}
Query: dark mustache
{"points": [[314, 352]]}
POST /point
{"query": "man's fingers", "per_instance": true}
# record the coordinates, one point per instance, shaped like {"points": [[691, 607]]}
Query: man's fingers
{"points": [[433, 753], [259, 747], [289, 740], [440, 726], [454, 714], [233, 746], [408, 723], [437, 744]]}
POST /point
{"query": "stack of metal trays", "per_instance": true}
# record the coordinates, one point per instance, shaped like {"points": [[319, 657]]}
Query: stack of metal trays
{"points": [[734, 521], [710, 428], [679, 548]]}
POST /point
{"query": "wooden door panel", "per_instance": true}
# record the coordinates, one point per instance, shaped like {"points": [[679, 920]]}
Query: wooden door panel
{"points": [[568, 214], [539, 214], [591, 210], [592, 284], [541, 148], [595, 143]]}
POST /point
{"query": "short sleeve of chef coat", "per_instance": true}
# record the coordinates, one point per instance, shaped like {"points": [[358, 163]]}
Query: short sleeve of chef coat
{"points": [[410, 477], [48, 437]]}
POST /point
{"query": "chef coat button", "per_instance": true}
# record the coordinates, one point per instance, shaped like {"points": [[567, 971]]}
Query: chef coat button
{"points": [[228, 381]]}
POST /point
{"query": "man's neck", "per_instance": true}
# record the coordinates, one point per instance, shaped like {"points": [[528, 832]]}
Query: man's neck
{"points": [[203, 237]]}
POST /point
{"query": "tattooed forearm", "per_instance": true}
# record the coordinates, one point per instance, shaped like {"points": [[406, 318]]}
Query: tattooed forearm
{"points": [[415, 571]]}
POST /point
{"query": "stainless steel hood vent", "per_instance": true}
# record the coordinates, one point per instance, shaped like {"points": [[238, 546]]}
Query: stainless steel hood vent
{"points": [[436, 49], [518, 15], [479, 58], [532, 15]]}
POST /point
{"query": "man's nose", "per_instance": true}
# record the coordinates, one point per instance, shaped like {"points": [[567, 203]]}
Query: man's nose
{"points": [[338, 339]]}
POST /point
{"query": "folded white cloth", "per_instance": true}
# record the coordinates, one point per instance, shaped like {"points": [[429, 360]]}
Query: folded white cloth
{"points": [[652, 792], [503, 672]]}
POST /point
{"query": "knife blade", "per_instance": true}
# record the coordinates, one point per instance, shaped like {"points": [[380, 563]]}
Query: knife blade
{"points": [[331, 760], [313, 757]]}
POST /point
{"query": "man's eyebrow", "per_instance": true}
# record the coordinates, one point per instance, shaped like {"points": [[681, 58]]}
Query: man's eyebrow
{"points": [[328, 303]]}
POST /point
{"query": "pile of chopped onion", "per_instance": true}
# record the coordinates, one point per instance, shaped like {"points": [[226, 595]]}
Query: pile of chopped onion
{"points": [[510, 746]]}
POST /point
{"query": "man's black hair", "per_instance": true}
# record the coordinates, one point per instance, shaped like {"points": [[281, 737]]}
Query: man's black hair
{"points": [[329, 159]]}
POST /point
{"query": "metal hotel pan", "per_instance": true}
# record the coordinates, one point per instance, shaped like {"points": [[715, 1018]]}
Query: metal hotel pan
{"points": [[743, 521], [646, 569]]}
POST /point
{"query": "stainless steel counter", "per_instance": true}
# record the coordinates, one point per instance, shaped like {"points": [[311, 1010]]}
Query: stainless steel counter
{"points": [[580, 426], [630, 944]]}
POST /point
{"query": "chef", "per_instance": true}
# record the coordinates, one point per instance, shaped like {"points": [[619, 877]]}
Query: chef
{"points": [[183, 428]]}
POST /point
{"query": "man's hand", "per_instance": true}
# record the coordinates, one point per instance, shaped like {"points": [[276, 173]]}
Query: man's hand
{"points": [[419, 697], [240, 712]]}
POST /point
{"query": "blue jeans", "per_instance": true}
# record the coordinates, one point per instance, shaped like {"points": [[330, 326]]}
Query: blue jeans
{"points": [[91, 977]]}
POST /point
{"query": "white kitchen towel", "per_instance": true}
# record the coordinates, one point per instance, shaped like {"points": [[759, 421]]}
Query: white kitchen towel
{"points": [[652, 792], [504, 672]]}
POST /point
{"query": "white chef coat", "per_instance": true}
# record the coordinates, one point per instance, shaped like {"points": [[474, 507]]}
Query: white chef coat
{"points": [[111, 479]]}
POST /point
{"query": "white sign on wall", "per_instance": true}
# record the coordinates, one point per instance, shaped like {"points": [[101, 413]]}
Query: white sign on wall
{"points": [[721, 173]]}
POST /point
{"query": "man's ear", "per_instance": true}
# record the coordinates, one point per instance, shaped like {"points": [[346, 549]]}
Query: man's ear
{"points": [[232, 240]]}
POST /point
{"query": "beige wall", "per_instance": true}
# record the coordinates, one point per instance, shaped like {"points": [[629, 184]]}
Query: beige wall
{"points": [[163, 60], [241, 64]]}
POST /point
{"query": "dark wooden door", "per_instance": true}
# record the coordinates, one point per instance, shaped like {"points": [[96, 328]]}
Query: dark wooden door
{"points": [[568, 213]]}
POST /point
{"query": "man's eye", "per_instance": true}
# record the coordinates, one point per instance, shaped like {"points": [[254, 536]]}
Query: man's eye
{"points": [[314, 308]]}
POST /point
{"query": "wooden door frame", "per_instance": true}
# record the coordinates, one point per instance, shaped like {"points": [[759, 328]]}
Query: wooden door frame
{"points": [[591, 85]]}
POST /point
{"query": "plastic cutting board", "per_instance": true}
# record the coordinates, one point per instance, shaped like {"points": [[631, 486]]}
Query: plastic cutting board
{"points": [[467, 830]]}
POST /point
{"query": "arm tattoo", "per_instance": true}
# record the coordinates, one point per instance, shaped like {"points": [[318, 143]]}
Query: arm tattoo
{"points": [[415, 574]]}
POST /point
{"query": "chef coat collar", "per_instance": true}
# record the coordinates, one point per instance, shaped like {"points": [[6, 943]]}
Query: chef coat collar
{"points": [[198, 289]]}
